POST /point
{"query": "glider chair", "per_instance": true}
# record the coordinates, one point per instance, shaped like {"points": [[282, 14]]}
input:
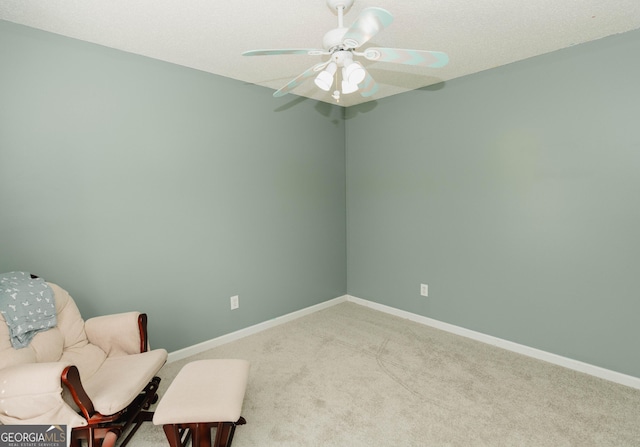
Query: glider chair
{"points": [[98, 376]]}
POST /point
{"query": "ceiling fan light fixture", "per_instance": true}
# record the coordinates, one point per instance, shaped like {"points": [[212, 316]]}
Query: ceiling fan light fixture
{"points": [[341, 44], [354, 73], [324, 80]]}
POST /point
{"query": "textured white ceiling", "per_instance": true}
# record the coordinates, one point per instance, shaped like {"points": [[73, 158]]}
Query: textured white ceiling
{"points": [[210, 35]]}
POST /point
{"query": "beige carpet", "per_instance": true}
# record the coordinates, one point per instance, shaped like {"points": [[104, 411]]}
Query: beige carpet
{"points": [[352, 376]]}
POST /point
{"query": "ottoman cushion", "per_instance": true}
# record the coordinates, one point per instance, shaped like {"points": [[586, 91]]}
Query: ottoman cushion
{"points": [[205, 391]]}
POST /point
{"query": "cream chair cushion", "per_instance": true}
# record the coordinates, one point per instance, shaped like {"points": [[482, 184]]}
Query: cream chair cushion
{"points": [[32, 392], [120, 379], [112, 369]]}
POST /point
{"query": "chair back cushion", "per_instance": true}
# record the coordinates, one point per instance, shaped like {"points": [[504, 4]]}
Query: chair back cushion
{"points": [[66, 342]]}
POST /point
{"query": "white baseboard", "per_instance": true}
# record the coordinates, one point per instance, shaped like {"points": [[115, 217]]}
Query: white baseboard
{"points": [[612, 376], [227, 338], [575, 365]]}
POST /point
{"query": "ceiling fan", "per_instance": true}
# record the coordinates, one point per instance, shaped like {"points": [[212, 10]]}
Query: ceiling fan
{"points": [[342, 43]]}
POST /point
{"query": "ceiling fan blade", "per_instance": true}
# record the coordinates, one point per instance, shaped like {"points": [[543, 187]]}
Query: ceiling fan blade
{"points": [[309, 51], [434, 59], [369, 23], [298, 80], [368, 87]]}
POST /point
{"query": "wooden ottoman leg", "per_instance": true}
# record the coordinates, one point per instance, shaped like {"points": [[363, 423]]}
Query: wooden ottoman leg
{"points": [[220, 440], [240, 421], [173, 435], [201, 434], [225, 432]]}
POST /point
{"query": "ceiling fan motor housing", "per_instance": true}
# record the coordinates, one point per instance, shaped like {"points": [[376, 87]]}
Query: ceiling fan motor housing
{"points": [[333, 39]]}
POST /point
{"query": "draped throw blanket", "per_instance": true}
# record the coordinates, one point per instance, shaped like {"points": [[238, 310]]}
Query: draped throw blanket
{"points": [[27, 305]]}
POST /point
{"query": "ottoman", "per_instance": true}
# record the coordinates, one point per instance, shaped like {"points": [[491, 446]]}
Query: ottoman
{"points": [[205, 394]]}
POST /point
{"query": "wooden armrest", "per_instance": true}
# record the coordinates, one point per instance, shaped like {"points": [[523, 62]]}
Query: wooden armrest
{"points": [[142, 326], [71, 379]]}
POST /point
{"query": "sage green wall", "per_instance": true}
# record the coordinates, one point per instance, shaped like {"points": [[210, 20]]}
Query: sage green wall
{"points": [[138, 184], [515, 194]]}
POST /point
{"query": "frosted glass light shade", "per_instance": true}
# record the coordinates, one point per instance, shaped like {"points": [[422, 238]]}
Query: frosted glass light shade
{"points": [[347, 87], [354, 73], [324, 80]]}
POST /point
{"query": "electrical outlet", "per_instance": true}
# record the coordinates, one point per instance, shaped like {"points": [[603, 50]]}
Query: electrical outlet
{"points": [[235, 302], [424, 290]]}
